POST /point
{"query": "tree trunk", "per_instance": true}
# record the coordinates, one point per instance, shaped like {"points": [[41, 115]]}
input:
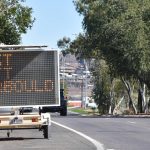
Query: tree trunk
{"points": [[141, 98], [140, 109], [111, 100], [117, 106], [111, 97], [129, 91]]}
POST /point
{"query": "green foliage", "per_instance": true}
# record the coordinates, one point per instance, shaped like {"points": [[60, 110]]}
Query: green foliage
{"points": [[80, 111], [120, 32], [15, 19], [117, 31], [81, 47], [65, 89], [101, 91], [63, 44]]}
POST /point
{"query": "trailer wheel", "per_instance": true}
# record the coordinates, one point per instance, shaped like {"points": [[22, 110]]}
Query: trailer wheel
{"points": [[63, 112], [46, 132]]}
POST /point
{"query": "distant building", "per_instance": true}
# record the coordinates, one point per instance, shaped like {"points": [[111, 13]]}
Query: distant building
{"points": [[75, 75]]}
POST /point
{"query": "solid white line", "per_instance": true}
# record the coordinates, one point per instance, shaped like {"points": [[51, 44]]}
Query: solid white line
{"points": [[98, 145]]}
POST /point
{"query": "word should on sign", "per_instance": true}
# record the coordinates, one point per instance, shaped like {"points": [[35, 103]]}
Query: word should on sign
{"points": [[24, 86]]}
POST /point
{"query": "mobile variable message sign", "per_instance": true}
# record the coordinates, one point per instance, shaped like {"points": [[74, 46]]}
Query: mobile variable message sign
{"points": [[29, 78]]}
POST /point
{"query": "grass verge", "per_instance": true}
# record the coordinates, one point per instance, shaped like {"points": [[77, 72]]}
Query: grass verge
{"points": [[83, 111]]}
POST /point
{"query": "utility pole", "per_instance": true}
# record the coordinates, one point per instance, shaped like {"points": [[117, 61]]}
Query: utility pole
{"points": [[86, 69], [63, 72], [84, 86], [82, 100]]}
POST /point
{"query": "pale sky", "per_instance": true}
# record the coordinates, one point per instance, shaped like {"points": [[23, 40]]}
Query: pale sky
{"points": [[54, 20]]}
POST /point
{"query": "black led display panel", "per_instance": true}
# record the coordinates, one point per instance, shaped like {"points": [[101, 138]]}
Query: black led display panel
{"points": [[29, 78]]}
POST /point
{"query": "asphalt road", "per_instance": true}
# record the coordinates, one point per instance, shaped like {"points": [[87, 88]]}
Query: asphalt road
{"points": [[60, 139], [113, 133]]}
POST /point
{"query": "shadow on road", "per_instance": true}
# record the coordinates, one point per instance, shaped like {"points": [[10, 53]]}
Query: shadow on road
{"points": [[17, 138]]}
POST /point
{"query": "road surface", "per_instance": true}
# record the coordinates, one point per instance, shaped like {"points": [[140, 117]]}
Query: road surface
{"points": [[112, 133], [61, 139]]}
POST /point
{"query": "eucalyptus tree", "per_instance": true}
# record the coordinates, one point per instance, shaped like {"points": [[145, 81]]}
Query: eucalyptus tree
{"points": [[102, 92], [120, 31], [64, 44], [15, 19]]}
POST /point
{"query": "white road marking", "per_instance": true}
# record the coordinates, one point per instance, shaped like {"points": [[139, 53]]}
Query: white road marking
{"points": [[98, 145], [35, 147], [132, 122]]}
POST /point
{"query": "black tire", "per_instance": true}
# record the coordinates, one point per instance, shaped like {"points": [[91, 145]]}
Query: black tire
{"points": [[63, 112], [46, 132]]}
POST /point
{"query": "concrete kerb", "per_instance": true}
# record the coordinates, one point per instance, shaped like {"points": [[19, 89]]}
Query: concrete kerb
{"points": [[117, 116], [110, 116]]}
